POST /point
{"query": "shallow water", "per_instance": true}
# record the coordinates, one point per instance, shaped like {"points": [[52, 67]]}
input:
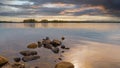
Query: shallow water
{"points": [[93, 45]]}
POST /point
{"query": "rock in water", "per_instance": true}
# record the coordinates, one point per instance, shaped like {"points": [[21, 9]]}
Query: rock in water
{"points": [[63, 46], [64, 65], [63, 38], [17, 59], [55, 50], [7, 65], [48, 46], [46, 42], [56, 43], [32, 46], [39, 44], [30, 58], [28, 53], [18, 65], [3, 61]]}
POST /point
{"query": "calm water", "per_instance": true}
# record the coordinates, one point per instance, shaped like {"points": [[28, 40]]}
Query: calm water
{"points": [[92, 45]]}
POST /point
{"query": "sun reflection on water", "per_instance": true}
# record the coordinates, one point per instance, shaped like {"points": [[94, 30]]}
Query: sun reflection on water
{"points": [[94, 55]]}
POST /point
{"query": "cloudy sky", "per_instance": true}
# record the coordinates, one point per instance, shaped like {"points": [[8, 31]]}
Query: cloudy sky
{"points": [[60, 9]]}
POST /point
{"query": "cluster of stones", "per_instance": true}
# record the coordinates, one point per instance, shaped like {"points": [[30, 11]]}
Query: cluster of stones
{"points": [[29, 55]]}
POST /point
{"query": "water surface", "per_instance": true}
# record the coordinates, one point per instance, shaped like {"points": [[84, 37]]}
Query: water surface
{"points": [[93, 45]]}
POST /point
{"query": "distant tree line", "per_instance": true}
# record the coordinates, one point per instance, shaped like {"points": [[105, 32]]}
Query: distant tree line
{"points": [[43, 21], [58, 21]]}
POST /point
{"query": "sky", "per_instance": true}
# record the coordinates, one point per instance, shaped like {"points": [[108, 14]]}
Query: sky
{"points": [[17, 10]]}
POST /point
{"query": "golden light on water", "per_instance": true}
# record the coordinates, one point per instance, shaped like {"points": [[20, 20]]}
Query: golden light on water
{"points": [[94, 55]]}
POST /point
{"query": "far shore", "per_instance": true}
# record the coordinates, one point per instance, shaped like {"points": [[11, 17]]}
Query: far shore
{"points": [[57, 21]]}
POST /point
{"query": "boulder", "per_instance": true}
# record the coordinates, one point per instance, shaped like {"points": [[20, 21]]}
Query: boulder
{"points": [[48, 46], [56, 43], [28, 53], [55, 50], [64, 65], [30, 58], [46, 42], [32, 46], [3, 61]]}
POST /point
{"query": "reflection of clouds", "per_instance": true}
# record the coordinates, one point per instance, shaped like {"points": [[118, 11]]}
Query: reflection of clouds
{"points": [[114, 37], [94, 26], [94, 55]]}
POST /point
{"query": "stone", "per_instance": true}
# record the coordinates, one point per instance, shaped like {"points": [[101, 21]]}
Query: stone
{"points": [[56, 43], [63, 47], [60, 58], [55, 50], [39, 44], [62, 51], [17, 59], [46, 42], [3, 61], [28, 53], [67, 48], [48, 46], [64, 65], [18, 65], [30, 58], [32, 46], [63, 38], [7, 65], [47, 38]]}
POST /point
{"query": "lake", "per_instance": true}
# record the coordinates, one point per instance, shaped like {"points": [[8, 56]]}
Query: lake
{"points": [[92, 45]]}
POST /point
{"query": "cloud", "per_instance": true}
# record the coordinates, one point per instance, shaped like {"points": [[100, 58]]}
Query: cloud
{"points": [[61, 7], [58, 5], [83, 9], [9, 9], [16, 2]]}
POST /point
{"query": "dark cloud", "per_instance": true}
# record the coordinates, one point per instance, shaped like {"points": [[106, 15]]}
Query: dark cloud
{"points": [[111, 6], [28, 7]]}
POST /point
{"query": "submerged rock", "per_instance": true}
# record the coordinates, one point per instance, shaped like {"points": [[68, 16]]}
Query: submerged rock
{"points": [[60, 58], [3, 61], [55, 50], [62, 51], [48, 46], [67, 48], [30, 58], [64, 65], [32, 46], [28, 53]]}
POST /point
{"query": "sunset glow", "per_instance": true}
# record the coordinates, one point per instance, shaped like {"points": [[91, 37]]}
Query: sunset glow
{"points": [[60, 10]]}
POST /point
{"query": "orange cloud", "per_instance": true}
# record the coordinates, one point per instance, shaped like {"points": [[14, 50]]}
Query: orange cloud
{"points": [[35, 6], [82, 9], [58, 5]]}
